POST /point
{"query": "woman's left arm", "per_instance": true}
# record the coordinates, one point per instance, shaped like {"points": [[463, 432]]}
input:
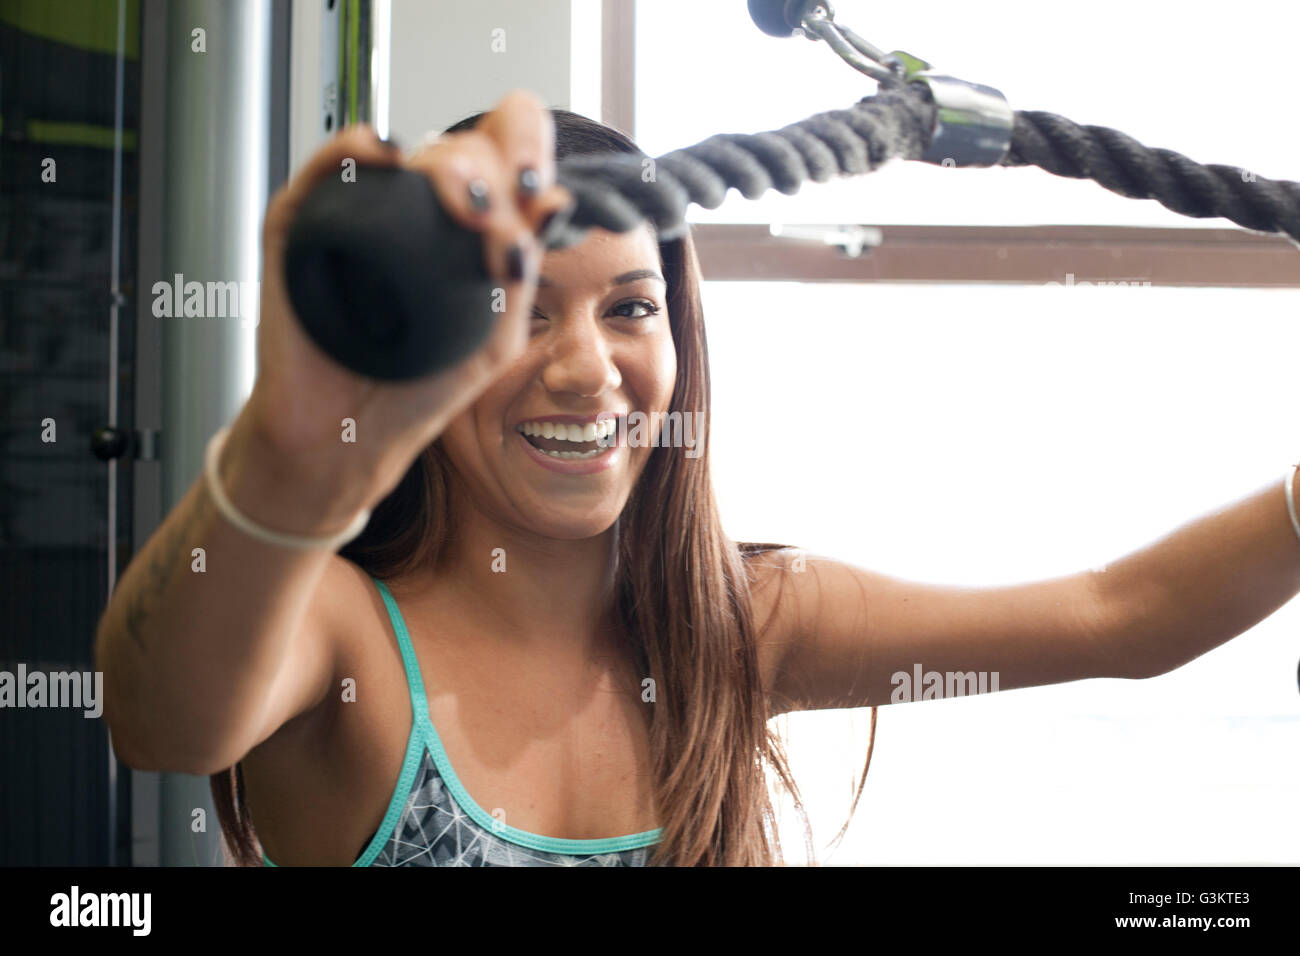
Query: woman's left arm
{"points": [[1204, 583], [843, 634]]}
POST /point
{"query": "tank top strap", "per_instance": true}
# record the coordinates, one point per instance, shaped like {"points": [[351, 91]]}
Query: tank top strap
{"points": [[419, 703]]}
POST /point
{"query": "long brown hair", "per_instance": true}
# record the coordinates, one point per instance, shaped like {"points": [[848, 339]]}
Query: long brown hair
{"points": [[683, 597]]}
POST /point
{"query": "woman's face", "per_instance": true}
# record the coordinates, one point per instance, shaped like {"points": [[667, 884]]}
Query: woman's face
{"points": [[599, 348]]}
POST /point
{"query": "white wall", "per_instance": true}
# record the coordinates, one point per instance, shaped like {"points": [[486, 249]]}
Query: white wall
{"points": [[444, 66]]}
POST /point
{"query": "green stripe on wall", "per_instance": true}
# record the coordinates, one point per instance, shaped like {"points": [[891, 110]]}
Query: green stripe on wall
{"points": [[74, 134], [85, 24]]}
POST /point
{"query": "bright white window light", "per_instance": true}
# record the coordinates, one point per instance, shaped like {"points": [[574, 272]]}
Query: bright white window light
{"points": [[983, 436]]}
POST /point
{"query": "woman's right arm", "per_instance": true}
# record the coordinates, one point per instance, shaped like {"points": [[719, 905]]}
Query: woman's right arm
{"points": [[201, 666]]}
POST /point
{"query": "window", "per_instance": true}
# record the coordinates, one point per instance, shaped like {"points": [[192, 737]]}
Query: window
{"points": [[987, 435], [1029, 376]]}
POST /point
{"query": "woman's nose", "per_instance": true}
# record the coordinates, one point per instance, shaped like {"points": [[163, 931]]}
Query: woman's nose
{"points": [[581, 362]]}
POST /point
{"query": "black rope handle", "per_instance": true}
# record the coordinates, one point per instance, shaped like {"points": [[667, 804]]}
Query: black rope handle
{"points": [[614, 191]]}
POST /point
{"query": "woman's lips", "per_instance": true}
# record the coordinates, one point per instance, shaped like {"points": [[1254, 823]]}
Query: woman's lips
{"points": [[573, 466]]}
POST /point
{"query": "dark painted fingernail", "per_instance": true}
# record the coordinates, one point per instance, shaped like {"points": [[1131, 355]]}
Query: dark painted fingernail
{"points": [[515, 262], [529, 181], [478, 195], [391, 143]]}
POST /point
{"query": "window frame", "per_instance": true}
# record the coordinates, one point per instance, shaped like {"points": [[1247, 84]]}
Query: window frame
{"points": [[1006, 255]]}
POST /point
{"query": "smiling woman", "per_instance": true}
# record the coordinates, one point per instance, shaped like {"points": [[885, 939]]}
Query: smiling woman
{"points": [[612, 553], [526, 659]]}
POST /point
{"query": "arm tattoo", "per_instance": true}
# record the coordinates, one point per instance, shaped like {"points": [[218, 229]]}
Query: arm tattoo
{"points": [[169, 553]]}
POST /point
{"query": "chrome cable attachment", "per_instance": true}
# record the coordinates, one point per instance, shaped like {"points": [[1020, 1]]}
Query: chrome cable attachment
{"points": [[973, 122]]}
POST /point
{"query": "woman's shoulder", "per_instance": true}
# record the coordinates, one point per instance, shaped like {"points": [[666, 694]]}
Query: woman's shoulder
{"points": [[768, 566], [345, 595], [772, 571]]}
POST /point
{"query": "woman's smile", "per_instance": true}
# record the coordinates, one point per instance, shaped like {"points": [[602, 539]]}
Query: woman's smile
{"points": [[571, 444]]}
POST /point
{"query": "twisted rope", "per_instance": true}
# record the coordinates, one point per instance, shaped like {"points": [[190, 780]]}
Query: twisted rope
{"points": [[618, 191], [1125, 166]]}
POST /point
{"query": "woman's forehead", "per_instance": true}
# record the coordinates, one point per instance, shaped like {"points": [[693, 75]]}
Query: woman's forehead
{"points": [[602, 256]]}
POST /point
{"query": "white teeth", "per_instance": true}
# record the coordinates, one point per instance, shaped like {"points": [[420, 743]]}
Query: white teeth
{"points": [[575, 454], [592, 431]]}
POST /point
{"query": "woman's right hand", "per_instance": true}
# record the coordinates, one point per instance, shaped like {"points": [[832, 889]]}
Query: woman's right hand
{"points": [[292, 426]]}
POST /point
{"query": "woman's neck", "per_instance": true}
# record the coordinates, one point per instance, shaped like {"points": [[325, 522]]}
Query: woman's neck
{"points": [[536, 593]]}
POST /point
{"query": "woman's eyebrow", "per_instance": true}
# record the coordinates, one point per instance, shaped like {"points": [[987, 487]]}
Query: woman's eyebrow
{"points": [[622, 279]]}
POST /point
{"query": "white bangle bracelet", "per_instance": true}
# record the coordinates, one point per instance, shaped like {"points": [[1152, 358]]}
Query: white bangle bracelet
{"points": [[332, 542], [1290, 499]]}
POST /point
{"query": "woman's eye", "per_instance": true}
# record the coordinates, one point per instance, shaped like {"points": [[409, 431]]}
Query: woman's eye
{"points": [[649, 308], [626, 310]]}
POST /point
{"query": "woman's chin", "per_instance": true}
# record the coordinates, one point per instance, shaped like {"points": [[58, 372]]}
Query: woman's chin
{"points": [[570, 528], [572, 521]]}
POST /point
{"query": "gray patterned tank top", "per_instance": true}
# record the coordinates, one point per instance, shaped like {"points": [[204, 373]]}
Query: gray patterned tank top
{"points": [[432, 821]]}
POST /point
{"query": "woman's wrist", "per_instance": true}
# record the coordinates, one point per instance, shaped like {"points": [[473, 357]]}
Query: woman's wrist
{"points": [[307, 493]]}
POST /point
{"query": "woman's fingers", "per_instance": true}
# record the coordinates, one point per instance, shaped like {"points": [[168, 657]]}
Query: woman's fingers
{"points": [[524, 132], [499, 178], [473, 184]]}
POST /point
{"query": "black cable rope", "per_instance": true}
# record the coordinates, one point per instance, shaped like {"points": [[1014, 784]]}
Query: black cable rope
{"points": [[1125, 166], [618, 191]]}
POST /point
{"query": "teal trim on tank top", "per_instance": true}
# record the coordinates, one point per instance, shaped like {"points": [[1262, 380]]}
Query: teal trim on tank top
{"points": [[425, 735]]}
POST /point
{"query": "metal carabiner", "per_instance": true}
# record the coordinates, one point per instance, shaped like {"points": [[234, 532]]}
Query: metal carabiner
{"points": [[973, 122], [817, 22]]}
